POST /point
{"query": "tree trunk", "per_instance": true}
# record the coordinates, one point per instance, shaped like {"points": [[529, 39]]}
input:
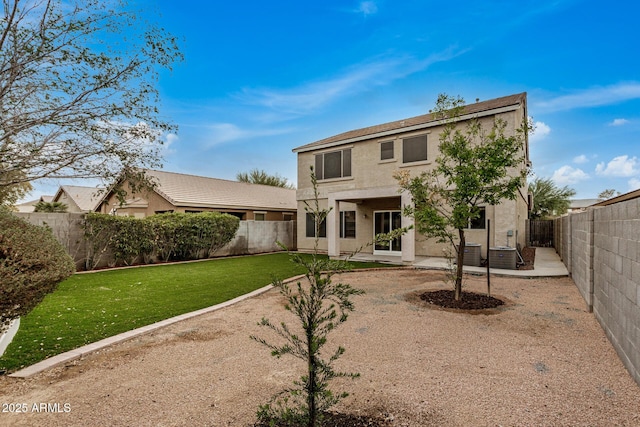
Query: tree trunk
{"points": [[460, 253], [311, 385]]}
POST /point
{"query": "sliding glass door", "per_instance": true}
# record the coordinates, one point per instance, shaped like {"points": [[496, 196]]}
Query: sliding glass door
{"points": [[385, 222]]}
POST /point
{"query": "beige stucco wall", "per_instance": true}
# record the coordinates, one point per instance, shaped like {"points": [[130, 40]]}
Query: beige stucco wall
{"points": [[369, 172]]}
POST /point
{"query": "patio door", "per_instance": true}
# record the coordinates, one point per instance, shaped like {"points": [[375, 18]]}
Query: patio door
{"points": [[385, 222]]}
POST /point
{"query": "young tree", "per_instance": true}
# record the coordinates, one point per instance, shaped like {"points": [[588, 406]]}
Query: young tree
{"points": [[474, 168], [321, 305], [549, 199], [77, 95], [256, 176]]}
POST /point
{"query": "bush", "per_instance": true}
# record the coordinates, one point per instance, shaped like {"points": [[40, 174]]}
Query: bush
{"points": [[32, 263], [171, 236]]}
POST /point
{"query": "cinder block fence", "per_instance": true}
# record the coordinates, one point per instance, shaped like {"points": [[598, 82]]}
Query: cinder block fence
{"points": [[253, 237], [601, 249]]}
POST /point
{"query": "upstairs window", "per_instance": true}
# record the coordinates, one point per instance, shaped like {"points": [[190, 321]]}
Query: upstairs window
{"points": [[386, 150], [333, 164], [414, 149]]}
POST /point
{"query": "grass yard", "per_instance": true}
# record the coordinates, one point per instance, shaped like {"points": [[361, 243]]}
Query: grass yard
{"points": [[89, 307]]}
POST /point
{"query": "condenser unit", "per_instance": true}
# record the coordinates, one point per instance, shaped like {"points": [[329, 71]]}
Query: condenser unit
{"points": [[472, 254], [503, 257]]}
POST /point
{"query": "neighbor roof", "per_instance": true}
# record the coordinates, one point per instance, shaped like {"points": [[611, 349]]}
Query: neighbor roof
{"points": [[426, 120], [200, 191], [86, 198]]}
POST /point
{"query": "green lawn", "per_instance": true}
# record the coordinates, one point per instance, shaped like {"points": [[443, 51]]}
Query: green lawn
{"points": [[89, 307]]}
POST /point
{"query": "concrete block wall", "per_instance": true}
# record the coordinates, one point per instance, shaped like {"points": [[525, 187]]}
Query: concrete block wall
{"points": [[253, 237], [67, 228], [581, 253], [616, 264], [601, 249]]}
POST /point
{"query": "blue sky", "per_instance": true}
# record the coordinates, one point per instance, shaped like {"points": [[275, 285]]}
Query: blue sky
{"points": [[261, 78]]}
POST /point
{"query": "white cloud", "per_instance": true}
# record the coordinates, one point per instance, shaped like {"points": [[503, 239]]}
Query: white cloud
{"points": [[568, 175], [580, 159], [227, 132], [367, 8], [621, 166], [634, 184], [619, 122], [593, 97], [358, 78], [541, 131]]}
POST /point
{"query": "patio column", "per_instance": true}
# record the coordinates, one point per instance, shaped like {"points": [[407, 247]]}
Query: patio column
{"points": [[333, 227], [409, 238]]}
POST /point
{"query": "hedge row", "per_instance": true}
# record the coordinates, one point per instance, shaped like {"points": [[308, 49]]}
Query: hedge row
{"points": [[32, 263], [121, 240]]}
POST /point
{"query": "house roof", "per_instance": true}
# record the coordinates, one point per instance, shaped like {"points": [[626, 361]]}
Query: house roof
{"points": [[200, 191], [582, 203], [86, 198], [492, 106]]}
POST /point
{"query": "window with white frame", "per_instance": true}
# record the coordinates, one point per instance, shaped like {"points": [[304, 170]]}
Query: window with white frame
{"points": [[348, 224], [333, 164], [311, 226], [259, 216]]}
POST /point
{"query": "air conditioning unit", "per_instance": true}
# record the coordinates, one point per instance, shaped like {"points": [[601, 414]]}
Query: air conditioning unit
{"points": [[503, 257], [472, 254]]}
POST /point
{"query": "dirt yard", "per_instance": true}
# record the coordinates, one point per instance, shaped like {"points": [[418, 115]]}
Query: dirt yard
{"points": [[539, 360]]}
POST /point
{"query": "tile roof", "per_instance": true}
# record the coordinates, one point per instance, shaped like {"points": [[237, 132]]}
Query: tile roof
{"points": [[86, 198], [200, 191], [418, 121]]}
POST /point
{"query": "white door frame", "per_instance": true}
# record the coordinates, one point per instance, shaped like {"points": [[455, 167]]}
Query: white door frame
{"points": [[388, 250]]}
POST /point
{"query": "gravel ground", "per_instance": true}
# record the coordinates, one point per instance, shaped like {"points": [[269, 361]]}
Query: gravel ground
{"points": [[540, 360]]}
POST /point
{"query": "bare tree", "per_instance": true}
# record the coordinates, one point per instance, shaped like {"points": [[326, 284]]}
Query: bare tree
{"points": [[77, 95]]}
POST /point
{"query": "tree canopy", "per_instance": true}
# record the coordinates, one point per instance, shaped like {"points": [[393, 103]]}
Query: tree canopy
{"points": [[549, 199], [474, 168], [257, 176], [77, 94]]}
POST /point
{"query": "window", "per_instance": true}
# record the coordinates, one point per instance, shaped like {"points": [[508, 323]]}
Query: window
{"points": [[259, 216], [335, 164], [287, 217], [311, 227], [414, 149], [348, 224], [479, 222], [386, 150]]}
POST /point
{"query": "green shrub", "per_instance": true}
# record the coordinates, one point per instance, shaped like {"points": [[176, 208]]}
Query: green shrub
{"points": [[32, 263], [173, 236]]}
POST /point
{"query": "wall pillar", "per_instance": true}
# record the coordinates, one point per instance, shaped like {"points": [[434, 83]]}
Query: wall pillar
{"points": [[333, 227]]}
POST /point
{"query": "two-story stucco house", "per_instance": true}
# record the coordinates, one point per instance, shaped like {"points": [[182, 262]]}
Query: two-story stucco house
{"points": [[355, 178]]}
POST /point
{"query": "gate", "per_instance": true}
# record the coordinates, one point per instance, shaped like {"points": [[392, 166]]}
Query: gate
{"points": [[540, 233]]}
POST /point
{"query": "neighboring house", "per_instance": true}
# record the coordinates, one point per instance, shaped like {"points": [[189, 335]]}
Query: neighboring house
{"points": [[355, 180], [30, 206], [580, 205], [176, 192], [79, 199]]}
